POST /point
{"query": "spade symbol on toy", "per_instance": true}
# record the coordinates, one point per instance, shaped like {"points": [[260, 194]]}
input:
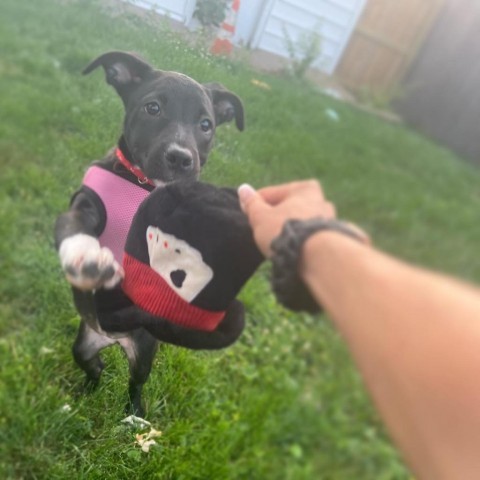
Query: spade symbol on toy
{"points": [[178, 263], [178, 277]]}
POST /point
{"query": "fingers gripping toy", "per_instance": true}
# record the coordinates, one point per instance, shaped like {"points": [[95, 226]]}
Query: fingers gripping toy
{"points": [[188, 253]]}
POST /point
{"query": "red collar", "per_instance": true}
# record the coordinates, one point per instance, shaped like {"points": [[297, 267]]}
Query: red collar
{"points": [[135, 170]]}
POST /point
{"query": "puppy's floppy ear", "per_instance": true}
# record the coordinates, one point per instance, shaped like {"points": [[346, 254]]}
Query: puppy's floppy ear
{"points": [[123, 70], [226, 105]]}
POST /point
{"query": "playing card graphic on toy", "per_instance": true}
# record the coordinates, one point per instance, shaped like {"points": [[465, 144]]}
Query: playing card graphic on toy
{"points": [[178, 263]]}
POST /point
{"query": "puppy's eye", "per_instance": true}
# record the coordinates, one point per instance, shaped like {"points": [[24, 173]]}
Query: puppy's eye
{"points": [[152, 108], [206, 125]]}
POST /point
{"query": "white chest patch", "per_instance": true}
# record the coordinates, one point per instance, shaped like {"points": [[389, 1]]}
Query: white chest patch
{"points": [[178, 263]]}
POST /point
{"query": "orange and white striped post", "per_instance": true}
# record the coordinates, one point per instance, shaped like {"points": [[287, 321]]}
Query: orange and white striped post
{"points": [[222, 45]]}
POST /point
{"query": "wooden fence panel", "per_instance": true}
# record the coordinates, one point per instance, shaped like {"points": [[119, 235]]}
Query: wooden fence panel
{"points": [[385, 41], [441, 89]]}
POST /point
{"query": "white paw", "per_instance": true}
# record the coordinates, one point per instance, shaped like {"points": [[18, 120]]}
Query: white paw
{"points": [[87, 265]]}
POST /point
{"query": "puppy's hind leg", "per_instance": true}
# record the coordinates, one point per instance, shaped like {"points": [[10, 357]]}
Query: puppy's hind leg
{"points": [[140, 349], [86, 353]]}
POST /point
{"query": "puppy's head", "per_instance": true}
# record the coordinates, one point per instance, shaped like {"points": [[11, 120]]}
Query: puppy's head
{"points": [[170, 119]]}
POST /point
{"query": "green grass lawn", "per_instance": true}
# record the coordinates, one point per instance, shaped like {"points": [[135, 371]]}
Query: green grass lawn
{"points": [[285, 402]]}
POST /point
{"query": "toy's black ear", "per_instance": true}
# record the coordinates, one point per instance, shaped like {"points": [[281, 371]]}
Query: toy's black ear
{"points": [[124, 71], [226, 105]]}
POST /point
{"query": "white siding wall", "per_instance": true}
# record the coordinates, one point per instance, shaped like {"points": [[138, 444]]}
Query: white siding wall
{"points": [[334, 20], [260, 23], [247, 20]]}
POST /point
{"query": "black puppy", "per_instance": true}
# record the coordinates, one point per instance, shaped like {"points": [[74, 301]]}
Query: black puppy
{"points": [[169, 127]]}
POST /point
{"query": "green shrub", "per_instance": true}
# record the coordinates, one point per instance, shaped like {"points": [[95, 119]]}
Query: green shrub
{"points": [[210, 12]]}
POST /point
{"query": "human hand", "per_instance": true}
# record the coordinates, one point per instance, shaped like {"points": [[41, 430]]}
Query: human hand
{"points": [[269, 208]]}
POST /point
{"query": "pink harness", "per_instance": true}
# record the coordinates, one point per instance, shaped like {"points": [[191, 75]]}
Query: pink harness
{"points": [[121, 200]]}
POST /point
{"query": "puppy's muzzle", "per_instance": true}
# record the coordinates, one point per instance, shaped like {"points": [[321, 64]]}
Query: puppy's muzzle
{"points": [[179, 160]]}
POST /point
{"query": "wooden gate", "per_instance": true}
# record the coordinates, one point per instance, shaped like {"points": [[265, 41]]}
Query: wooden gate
{"points": [[442, 87], [386, 39]]}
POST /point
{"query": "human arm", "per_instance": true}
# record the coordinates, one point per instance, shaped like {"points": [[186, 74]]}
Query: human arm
{"points": [[415, 335]]}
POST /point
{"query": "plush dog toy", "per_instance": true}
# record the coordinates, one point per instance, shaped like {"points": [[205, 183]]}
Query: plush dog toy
{"points": [[188, 253]]}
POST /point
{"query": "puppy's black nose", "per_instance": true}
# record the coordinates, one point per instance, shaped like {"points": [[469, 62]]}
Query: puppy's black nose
{"points": [[179, 160]]}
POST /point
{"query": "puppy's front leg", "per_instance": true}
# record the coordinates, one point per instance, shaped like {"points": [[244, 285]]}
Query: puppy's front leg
{"points": [[87, 265]]}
